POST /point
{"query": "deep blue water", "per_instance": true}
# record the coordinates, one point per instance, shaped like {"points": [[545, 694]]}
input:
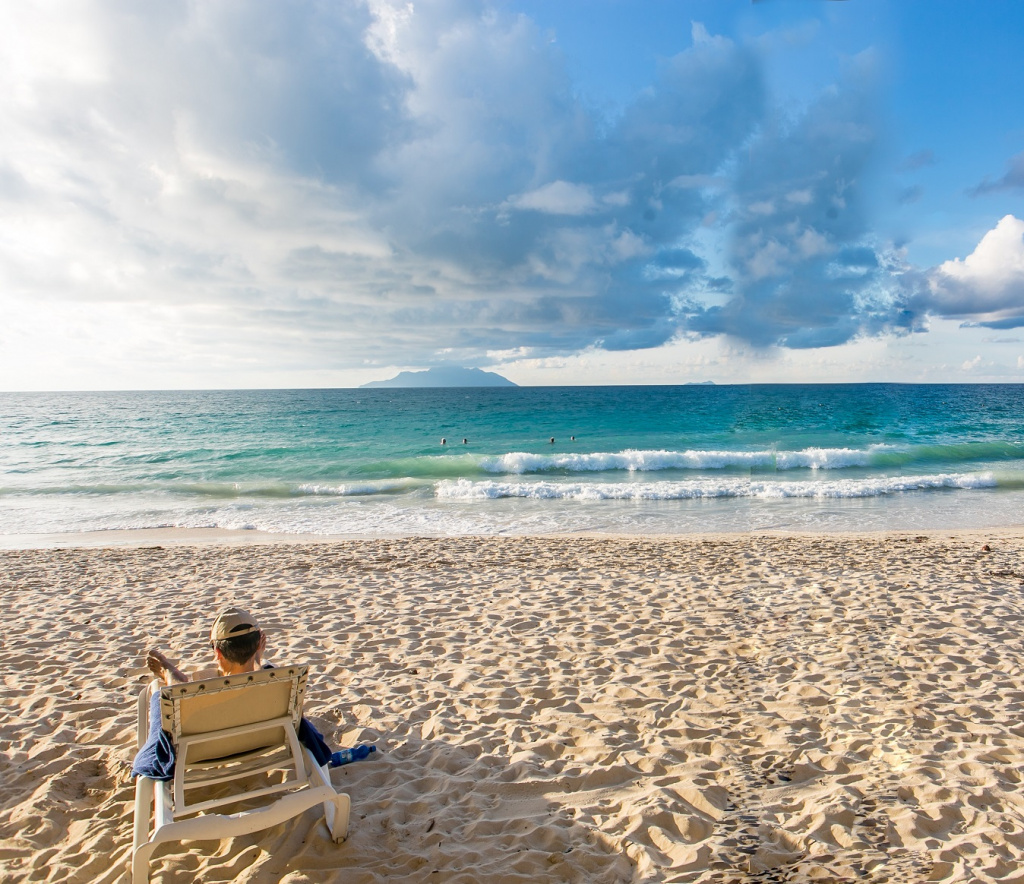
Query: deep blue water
{"points": [[644, 459]]}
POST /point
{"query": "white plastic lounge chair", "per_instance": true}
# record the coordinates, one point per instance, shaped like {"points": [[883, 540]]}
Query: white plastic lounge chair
{"points": [[227, 729]]}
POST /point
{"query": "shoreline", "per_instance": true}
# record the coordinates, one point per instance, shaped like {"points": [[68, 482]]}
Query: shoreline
{"points": [[140, 538]]}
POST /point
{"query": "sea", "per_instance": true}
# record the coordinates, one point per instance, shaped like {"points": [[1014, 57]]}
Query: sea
{"points": [[512, 461]]}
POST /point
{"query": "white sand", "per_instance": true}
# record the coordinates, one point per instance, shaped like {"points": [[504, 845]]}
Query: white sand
{"points": [[818, 708]]}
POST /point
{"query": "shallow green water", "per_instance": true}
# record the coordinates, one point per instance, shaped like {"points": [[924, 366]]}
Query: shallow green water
{"points": [[623, 459]]}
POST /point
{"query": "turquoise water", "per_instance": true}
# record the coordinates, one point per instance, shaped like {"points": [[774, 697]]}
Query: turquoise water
{"points": [[644, 459]]}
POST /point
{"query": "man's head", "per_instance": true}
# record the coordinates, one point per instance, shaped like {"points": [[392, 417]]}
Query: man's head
{"points": [[235, 635]]}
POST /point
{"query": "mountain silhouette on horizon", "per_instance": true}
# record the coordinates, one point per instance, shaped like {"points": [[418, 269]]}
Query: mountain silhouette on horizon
{"points": [[445, 376]]}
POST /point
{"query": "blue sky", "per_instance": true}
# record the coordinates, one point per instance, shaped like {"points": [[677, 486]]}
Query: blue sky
{"points": [[266, 194]]}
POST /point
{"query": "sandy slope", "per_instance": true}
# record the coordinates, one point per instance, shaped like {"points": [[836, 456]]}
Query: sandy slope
{"points": [[562, 709]]}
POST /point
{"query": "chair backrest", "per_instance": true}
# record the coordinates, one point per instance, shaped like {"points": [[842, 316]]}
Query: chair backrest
{"points": [[235, 703]]}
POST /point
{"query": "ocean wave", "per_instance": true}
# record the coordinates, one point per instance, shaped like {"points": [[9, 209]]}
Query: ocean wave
{"points": [[696, 489], [357, 489], [631, 460], [303, 489], [951, 452], [810, 458], [222, 490]]}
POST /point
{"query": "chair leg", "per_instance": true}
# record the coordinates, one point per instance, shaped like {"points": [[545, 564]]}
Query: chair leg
{"points": [[143, 810], [338, 807], [336, 813], [141, 849], [140, 863]]}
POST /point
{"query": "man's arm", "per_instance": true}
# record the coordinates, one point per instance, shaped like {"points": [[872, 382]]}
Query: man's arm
{"points": [[164, 669]]}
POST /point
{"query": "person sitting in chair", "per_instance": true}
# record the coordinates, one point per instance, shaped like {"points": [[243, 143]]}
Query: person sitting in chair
{"points": [[238, 645]]}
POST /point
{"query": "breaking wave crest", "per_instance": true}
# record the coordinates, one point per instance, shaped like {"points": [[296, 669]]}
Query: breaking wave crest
{"points": [[465, 489], [519, 463], [812, 458]]}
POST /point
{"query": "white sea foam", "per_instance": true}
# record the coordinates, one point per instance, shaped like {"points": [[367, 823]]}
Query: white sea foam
{"points": [[357, 489], [631, 460], [693, 489], [538, 507], [825, 458]]}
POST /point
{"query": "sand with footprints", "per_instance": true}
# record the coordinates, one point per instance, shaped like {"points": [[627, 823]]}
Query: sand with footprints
{"points": [[745, 708]]}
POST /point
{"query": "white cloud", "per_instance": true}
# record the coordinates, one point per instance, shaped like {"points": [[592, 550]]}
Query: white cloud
{"points": [[766, 259], [627, 245], [987, 285], [557, 198], [701, 37], [49, 42], [698, 182], [810, 244], [618, 199]]}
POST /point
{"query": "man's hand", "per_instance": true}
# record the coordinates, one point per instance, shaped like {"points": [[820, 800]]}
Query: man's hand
{"points": [[163, 668]]}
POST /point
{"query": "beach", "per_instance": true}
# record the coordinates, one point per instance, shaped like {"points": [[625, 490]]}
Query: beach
{"points": [[746, 707]]}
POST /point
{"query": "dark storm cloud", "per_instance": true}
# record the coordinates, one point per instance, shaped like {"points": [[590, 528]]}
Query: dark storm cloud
{"points": [[804, 273], [580, 227], [1012, 180], [1000, 324], [918, 160], [910, 195]]}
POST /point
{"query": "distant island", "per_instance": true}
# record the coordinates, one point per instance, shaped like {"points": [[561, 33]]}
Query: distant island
{"points": [[445, 377]]}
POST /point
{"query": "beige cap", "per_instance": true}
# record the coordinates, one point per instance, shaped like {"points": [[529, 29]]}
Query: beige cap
{"points": [[232, 622]]}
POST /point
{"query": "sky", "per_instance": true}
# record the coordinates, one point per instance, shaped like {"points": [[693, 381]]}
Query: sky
{"points": [[259, 193]]}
